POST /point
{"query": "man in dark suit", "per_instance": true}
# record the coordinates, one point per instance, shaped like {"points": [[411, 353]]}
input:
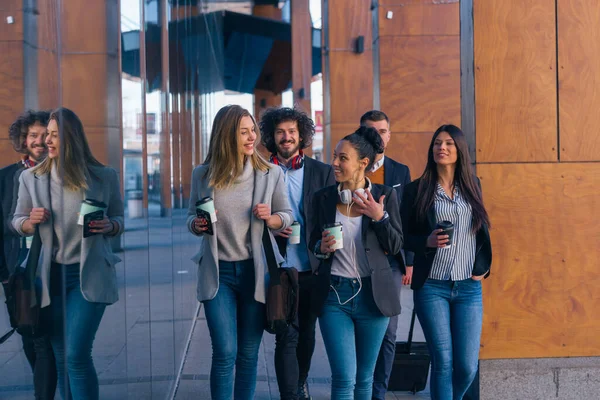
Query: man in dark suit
{"points": [[27, 134], [285, 133], [396, 175]]}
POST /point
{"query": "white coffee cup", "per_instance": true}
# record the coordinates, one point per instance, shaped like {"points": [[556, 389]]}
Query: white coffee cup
{"points": [[89, 206], [335, 229], [295, 236], [207, 204]]}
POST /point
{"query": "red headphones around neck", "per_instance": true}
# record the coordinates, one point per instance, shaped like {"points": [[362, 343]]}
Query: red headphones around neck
{"points": [[296, 162]]}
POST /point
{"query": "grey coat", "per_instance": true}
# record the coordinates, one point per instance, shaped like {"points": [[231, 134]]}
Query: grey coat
{"points": [[97, 264], [269, 188]]}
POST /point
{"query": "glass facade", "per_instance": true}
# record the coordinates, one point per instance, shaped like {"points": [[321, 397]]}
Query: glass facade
{"points": [[146, 78]]}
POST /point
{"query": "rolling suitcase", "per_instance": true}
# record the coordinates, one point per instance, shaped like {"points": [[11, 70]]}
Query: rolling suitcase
{"points": [[411, 364]]}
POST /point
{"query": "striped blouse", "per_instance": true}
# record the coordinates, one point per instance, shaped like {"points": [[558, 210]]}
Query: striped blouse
{"points": [[454, 262]]}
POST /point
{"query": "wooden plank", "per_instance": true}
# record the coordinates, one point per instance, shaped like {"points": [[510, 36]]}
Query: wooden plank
{"points": [[351, 86], [410, 149], [541, 299], [85, 96], [301, 55], [419, 19], [349, 19], [515, 80], [80, 21], [47, 24], [420, 81], [48, 87], [14, 31], [579, 78], [339, 131], [11, 83]]}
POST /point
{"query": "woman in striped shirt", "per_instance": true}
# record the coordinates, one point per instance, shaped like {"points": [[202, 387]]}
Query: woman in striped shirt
{"points": [[447, 275]]}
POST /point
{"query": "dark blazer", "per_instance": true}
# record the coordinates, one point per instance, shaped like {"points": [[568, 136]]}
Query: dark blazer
{"points": [[397, 176], [9, 186], [379, 239], [3, 268], [416, 233], [316, 176]]}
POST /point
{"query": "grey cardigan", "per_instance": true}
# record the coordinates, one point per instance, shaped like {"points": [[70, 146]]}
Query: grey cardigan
{"points": [[97, 263], [269, 188]]}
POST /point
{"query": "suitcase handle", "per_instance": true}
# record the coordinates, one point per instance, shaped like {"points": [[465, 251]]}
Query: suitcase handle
{"points": [[410, 331]]}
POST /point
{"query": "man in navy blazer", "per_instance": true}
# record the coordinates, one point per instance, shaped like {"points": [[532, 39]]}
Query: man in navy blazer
{"points": [[396, 175], [285, 133]]}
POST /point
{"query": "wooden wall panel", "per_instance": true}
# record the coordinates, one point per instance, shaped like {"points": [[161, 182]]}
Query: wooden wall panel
{"points": [[349, 19], [48, 87], [420, 81], [12, 31], [338, 131], [541, 299], [11, 83], [410, 149], [85, 96], [515, 80], [11, 5], [75, 35], [351, 84], [419, 19], [579, 78]]}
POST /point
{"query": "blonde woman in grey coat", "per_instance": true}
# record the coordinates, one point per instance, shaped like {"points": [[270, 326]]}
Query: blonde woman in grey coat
{"points": [[76, 276], [248, 193]]}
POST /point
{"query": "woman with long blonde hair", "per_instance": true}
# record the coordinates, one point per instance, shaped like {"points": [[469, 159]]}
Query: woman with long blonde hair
{"points": [[76, 274], [249, 196]]}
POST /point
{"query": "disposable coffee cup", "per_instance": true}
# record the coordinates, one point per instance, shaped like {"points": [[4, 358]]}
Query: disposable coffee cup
{"points": [[447, 229], [89, 206], [336, 230], [295, 236], [207, 204]]}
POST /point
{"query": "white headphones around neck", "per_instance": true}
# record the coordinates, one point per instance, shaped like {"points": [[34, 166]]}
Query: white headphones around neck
{"points": [[346, 194]]}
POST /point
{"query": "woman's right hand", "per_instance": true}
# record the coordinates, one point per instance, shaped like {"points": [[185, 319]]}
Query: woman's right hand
{"points": [[200, 225], [436, 240], [39, 216], [327, 241]]}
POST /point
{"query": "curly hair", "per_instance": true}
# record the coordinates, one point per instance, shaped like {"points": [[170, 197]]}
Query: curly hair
{"points": [[274, 116], [17, 133]]}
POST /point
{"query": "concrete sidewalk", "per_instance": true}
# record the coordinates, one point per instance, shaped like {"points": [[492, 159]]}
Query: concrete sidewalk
{"points": [[194, 382]]}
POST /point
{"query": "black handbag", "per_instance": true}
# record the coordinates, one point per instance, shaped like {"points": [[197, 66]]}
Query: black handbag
{"points": [[411, 364], [20, 291], [282, 293]]}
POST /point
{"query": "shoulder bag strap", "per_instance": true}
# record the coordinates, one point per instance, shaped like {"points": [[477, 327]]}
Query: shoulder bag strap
{"points": [[271, 262]]}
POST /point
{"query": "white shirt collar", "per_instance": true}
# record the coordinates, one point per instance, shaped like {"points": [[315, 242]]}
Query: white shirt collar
{"points": [[378, 164]]}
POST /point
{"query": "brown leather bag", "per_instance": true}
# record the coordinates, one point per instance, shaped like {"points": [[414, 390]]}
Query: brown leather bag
{"points": [[282, 293]]}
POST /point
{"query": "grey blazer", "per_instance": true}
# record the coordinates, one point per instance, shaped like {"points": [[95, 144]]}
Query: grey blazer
{"points": [[97, 264], [269, 188]]}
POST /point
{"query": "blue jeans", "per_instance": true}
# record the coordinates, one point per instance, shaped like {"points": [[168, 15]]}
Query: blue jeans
{"points": [[236, 322], [352, 335], [387, 353], [451, 315], [74, 327]]}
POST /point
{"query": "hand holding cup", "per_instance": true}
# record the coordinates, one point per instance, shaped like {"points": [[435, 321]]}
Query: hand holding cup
{"points": [[436, 240]]}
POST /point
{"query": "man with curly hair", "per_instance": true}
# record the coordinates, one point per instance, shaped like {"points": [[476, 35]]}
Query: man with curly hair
{"points": [[285, 133], [27, 135]]}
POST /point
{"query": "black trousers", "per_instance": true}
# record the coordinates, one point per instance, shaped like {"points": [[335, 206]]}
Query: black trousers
{"points": [[41, 359], [294, 347]]}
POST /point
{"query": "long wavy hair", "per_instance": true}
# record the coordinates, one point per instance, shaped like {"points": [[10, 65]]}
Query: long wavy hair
{"points": [[464, 179], [75, 156], [224, 160]]}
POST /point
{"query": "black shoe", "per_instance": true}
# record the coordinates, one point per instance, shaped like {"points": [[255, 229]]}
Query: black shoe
{"points": [[303, 392]]}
